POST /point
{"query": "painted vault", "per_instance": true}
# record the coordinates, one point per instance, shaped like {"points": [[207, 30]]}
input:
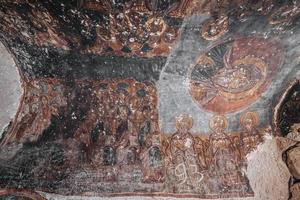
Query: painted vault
{"points": [[149, 98]]}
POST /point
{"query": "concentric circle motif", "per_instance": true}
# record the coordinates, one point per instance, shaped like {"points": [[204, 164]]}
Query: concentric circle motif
{"points": [[231, 75]]}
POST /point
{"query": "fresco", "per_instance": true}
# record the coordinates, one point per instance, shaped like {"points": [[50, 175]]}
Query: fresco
{"points": [[117, 140], [149, 98], [233, 74], [127, 28]]}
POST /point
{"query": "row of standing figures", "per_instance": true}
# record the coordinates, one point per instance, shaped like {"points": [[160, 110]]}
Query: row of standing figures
{"points": [[189, 157]]}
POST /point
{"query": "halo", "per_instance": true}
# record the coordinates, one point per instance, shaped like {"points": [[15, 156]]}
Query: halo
{"points": [[184, 120], [214, 119], [253, 115]]}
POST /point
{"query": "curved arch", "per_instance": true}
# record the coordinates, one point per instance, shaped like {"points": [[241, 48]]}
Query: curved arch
{"points": [[11, 90], [282, 117]]}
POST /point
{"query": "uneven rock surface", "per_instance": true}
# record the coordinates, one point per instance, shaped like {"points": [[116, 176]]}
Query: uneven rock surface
{"points": [[150, 99]]}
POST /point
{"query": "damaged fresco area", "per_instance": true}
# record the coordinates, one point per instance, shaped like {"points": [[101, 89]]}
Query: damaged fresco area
{"points": [[149, 98], [118, 134]]}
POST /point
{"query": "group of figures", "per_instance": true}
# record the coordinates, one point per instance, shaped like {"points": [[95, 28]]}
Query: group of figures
{"points": [[120, 132], [67, 125], [126, 28], [215, 163], [122, 127], [183, 162], [136, 28], [145, 28]]}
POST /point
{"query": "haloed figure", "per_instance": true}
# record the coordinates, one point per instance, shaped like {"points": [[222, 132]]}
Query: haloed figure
{"points": [[184, 158], [127, 139], [223, 169], [250, 137]]}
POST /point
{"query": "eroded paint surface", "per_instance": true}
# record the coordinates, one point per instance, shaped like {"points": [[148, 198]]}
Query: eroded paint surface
{"points": [[148, 98]]}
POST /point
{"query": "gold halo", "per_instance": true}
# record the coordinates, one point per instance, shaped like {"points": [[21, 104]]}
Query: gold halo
{"points": [[184, 120], [252, 115], [216, 118]]}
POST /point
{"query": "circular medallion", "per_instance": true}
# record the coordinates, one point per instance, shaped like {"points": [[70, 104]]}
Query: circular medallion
{"points": [[234, 73]]}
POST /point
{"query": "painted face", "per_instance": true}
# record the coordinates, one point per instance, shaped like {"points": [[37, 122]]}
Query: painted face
{"points": [[249, 120], [249, 123], [218, 124], [44, 100], [184, 123]]}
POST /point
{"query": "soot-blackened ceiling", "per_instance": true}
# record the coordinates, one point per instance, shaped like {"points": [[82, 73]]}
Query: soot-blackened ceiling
{"points": [[146, 97]]}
